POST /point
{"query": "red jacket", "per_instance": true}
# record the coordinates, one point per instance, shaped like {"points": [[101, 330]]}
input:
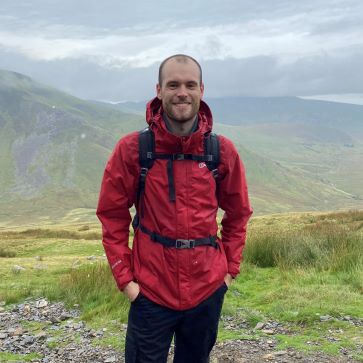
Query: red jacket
{"points": [[177, 278]]}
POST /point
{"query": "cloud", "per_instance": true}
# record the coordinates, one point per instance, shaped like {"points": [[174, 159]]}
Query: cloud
{"points": [[288, 39], [269, 48]]}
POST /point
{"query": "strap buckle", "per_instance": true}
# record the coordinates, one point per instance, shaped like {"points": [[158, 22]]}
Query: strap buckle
{"points": [[184, 243], [143, 172], [178, 156]]}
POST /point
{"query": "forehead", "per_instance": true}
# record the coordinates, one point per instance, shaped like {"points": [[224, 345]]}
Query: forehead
{"points": [[185, 70]]}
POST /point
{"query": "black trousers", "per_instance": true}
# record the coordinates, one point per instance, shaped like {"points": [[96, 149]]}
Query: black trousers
{"points": [[151, 328]]}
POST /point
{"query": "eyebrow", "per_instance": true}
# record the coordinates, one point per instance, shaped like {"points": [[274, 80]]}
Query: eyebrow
{"points": [[177, 82]]}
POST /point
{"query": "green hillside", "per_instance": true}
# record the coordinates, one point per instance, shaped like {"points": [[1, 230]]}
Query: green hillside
{"points": [[53, 149], [326, 156]]}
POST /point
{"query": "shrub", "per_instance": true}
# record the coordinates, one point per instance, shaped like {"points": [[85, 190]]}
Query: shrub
{"points": [[94, 289], [6, 253], [323, 246]]}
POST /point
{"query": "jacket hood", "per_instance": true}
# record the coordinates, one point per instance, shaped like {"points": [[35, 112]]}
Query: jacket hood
{"points": [[154, 110]]}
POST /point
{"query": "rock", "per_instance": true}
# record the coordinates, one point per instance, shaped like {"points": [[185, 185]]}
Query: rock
{"points": [[2, 303], [110, 359], [26, 309], [41, 335], [73, 341], [27, 339], [259, 326], [54, 320], [268, 331], [17, 269], [65, 316], [15, 331], [41, 304], [325, 317], [2, 309]]}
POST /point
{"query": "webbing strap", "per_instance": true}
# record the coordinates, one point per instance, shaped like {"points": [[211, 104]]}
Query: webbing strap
{"points": [[154, 156], [176, 157], [171, 180], [147, 155], [180, 243]]}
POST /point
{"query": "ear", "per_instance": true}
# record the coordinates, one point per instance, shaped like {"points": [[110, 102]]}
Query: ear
{"points": [[202, 88], [158, 91]]}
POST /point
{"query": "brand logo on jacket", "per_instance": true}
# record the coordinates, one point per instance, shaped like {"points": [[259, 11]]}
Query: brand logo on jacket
{"points": [[202, 165]]}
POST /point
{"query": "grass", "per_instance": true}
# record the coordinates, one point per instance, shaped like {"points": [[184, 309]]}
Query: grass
{"points": [[93, 288], [297, 267], [332, 244], [10, 357]]}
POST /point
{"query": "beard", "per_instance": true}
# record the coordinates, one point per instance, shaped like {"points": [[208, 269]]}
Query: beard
{"points": [[181, 111]]}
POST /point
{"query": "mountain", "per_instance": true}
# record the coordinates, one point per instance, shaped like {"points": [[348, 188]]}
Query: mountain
{"points": [[53, 149], [247, 111], [320, 139], [256, 110]]}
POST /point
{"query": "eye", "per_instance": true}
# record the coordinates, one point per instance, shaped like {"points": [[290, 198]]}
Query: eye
{"points": [[192, 85], [172, 85]]}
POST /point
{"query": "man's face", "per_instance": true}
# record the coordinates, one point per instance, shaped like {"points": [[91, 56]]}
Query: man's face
{"points": [[181, 90]]}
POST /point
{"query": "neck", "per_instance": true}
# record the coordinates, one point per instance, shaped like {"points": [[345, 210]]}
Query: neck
{"points": [[180, 128]]}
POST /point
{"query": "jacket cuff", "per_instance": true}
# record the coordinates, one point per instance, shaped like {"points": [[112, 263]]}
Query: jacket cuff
{"points": [[122, 282], [233, 269]]}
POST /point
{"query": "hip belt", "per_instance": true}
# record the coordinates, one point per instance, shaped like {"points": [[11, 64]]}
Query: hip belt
{"points": [[180, 243]]}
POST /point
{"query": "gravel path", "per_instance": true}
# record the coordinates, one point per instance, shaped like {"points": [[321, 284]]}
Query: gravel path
{"points": [[58, 335]]}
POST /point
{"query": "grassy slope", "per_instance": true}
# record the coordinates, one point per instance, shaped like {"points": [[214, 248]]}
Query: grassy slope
{"points": [[284, 173], [63, 141], [320, 174], [293, 290]]}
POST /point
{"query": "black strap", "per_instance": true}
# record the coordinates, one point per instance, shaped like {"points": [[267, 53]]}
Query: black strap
{"points": [[171, 180], [180, 243], [174, 157], [211, 147], [147, 155], [146, 146]]}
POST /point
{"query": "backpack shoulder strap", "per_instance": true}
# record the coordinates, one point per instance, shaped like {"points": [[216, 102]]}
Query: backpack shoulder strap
{"points": [[211, 147], [146, 162], [146, 148]]}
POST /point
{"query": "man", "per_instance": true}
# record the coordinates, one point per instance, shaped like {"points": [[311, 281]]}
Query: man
{"points": [[178, 270]]}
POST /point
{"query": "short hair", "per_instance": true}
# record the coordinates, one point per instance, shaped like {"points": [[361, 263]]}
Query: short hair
{"points": [[182, 58]]}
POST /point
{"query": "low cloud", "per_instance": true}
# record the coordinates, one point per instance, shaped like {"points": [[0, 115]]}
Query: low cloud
{"points": [[275, 48]]}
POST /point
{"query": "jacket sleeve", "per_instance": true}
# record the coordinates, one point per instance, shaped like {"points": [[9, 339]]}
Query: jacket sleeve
{"points": [[117, 195], [233, 199]]}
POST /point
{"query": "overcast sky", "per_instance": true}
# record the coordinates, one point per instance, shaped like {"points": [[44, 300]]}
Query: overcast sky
{"points": [[111, 50]]}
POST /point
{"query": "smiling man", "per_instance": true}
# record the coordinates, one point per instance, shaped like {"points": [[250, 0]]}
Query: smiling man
{"points": [[177, 174]]}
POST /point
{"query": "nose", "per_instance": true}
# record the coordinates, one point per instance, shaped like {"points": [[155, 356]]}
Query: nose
{"points": [[182, 91]]}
